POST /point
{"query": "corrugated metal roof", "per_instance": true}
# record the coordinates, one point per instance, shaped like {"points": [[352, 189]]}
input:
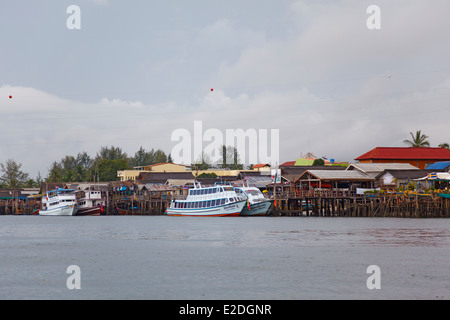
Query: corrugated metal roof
{"points": [[179, 182], [404, 174], [380, 167], [155, 187], [259, 181], [337, 175], [406, 153]]}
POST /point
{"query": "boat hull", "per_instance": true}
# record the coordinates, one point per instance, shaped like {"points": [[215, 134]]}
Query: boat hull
{"points": [[230, 210], [257, 209], [61, 211], [90, 211]]}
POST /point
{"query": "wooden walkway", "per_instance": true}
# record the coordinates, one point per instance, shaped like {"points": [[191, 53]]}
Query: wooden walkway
{"points": [[362, 206]]}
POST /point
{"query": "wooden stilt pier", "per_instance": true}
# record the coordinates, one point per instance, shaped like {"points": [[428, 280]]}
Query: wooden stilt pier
{"points": [[361, 206]]}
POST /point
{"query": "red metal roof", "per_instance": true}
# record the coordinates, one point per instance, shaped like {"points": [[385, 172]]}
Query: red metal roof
{"points": [[406, 153], [261, 165], [288, 164]]}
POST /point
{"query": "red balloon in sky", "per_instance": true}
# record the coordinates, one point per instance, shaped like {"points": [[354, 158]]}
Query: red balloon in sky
{"points": [[10, 97], [212, 89]]}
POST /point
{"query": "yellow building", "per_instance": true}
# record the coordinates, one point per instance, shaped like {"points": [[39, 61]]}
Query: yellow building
{"points": [[125, 175], [164, 167]]}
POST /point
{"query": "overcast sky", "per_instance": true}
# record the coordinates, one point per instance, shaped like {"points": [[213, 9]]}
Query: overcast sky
{"points": [[138, 70]]}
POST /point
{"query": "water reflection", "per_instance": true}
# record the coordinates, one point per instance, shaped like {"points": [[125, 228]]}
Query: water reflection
{"points": [[412, 237]]}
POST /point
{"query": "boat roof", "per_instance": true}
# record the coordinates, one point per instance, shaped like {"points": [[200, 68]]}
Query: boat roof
{"points": [[62, 190]]}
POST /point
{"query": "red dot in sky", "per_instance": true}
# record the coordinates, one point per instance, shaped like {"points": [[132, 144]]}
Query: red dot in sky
{"points": [[10, 97], [212, 89]]}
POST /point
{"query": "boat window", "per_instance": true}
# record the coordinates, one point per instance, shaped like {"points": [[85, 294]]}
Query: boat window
{"points": [[208, 204], [196, 204]]}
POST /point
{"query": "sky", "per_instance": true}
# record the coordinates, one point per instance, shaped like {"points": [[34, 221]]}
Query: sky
{"points": [[136, 71]]}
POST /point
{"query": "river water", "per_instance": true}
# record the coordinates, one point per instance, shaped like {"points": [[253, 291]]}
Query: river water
{"points": [[262, 258]]}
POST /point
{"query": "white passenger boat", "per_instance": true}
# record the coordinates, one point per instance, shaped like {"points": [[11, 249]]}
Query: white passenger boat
{"points": [[90, 203], [59, 202], [220, 200], [257, 204]]}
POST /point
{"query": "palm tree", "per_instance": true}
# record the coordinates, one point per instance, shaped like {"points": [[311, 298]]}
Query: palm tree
{"points": [[419, 140], [444, 145]]}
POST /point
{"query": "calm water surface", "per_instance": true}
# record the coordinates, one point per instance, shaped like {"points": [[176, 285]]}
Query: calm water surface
{"points": [[159, 257]]}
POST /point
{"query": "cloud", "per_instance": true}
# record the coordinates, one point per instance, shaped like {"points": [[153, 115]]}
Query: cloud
{"points": [[318, 75]]}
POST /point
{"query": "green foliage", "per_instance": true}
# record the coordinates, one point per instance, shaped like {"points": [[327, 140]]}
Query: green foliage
{"points": [[418, 140], [107, 169], [71, 169], [207, 175], [103, 167], [318, 162], [12, 176], [145, 158]]}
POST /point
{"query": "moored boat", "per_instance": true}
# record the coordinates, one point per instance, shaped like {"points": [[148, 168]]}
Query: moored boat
{"points": [[59, 202], [257, 204], [90, 203], [220, 200]]}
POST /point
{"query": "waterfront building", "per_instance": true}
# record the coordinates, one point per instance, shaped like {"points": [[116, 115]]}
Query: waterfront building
{"points": [[418, 157]]}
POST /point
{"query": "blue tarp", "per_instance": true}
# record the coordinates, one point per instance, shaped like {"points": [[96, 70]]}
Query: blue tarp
{"points": [[439, 165]]}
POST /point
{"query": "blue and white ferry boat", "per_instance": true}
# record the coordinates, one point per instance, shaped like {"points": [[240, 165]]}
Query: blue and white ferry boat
{"points": [[59, 202], [220, 200]]}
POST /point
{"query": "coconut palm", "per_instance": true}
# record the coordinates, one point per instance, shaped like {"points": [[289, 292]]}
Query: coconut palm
{"points": [[444, 145], [419, 140]]}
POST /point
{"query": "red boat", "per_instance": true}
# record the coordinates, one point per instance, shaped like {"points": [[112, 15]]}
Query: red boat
{"points": [[90, 203]]}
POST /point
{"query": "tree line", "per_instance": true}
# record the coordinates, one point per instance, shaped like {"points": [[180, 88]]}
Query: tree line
{"points": [[104, 166], [81, 167]]}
